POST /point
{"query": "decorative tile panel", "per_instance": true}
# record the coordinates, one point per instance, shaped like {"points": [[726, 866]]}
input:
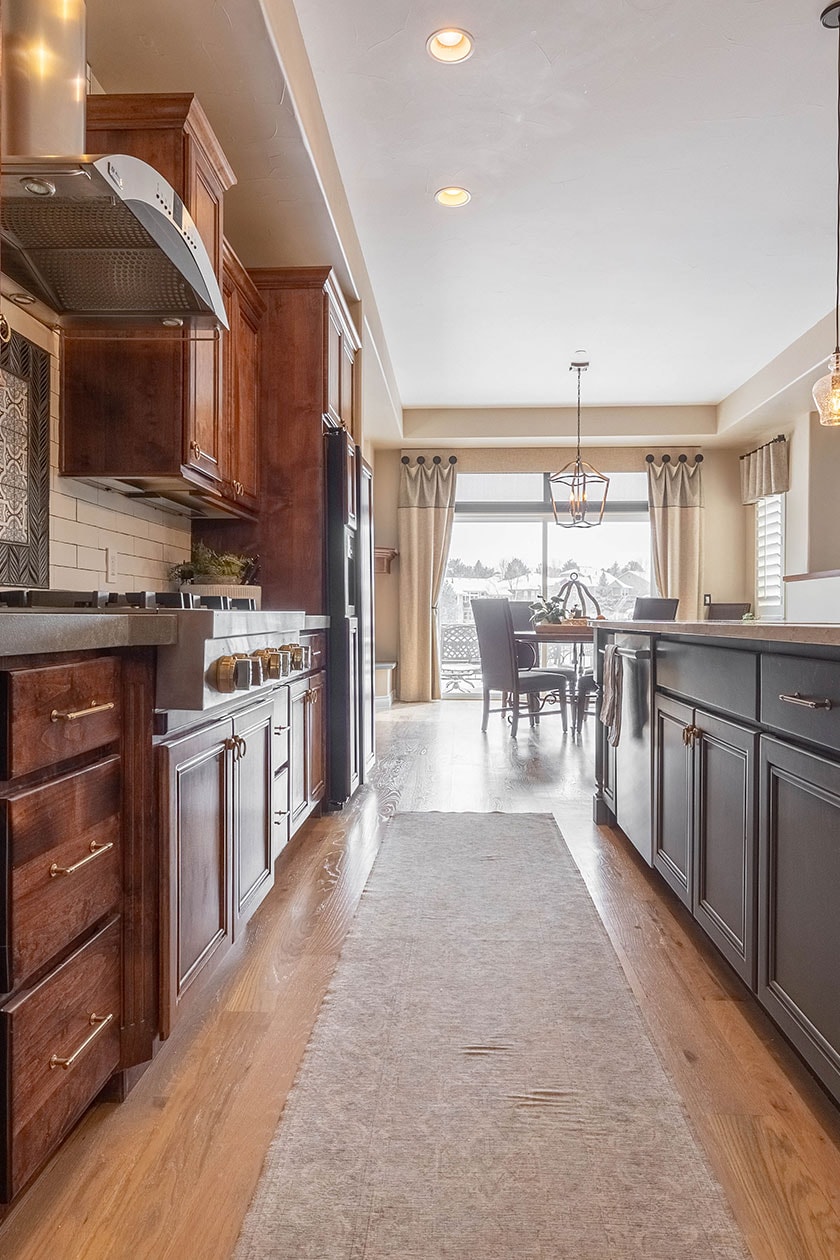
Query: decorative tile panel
{"points": [[24, 463]]}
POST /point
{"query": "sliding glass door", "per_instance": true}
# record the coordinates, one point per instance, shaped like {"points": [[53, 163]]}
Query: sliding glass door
{"points": [[505, 543]]}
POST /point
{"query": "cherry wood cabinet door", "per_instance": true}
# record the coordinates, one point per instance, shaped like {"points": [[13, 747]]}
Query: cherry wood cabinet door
{"points": [[316, 732], [241, 365], [253, 782], [332, 366], [298, 770], [348, 386], [196, 825]]}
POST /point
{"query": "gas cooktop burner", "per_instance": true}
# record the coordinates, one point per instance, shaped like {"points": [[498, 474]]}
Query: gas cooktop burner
{"points": [[111, 600]]}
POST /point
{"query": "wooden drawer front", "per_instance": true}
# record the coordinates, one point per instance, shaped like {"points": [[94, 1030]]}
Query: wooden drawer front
{"points": [[54, 1019], [724, 678], [280, 812], [280, 729], [317, 640], [813, 681], [40, 730], [69, 825]]}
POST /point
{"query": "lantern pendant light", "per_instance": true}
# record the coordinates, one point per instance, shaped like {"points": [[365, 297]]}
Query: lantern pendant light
{"points": [[827, 388], [579, 491]]}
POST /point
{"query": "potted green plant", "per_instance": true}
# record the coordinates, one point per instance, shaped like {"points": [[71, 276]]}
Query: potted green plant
{"points": [[207, 567]]}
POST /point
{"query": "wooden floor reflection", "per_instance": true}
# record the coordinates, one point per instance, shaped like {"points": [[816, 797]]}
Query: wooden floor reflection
{"points": [[170, 1172]]}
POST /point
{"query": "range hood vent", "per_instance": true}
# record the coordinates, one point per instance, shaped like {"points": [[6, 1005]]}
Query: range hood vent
{"points": [[92, 238]]}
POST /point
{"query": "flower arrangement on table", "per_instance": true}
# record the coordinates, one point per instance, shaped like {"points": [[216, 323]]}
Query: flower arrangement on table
{"points": [[554, 610]]}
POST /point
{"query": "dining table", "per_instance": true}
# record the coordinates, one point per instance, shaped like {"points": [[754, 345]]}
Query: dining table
{"points": [[579, 634]]}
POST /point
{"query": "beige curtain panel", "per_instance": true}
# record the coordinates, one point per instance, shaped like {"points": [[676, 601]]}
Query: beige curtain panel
{"points": [[425, 514], [675, 495], [765, 471]]}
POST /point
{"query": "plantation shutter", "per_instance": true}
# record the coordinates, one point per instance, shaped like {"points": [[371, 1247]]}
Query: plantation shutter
{"points": [[770, 557]]}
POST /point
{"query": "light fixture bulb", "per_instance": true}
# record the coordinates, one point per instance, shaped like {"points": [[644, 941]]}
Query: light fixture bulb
{"points": [[450, 45], [827, 393], [452, 196]]}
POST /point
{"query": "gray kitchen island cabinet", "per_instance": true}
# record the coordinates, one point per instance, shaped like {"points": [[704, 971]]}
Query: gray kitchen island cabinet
{"points": [[745, 768]]}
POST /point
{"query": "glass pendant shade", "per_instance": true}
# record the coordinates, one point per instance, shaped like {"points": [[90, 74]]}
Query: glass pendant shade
{"points": [[827, 393], [578, 495]]}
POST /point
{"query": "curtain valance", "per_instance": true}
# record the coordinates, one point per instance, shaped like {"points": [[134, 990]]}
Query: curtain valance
{"points": [[765, 471]]}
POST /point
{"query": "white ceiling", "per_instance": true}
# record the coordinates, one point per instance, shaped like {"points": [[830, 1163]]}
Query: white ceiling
{"points": [[653, 181]]}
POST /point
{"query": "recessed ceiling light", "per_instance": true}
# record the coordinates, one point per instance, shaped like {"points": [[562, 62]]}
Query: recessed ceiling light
{"points": [[450, 45], [452, 196]]}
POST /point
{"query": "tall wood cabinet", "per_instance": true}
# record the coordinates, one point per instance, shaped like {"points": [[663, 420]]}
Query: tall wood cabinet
{"points": [[309, 350], [186, 429]]}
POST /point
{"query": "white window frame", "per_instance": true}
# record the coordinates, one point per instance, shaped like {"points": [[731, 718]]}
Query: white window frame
{"points": [[770, 558]]}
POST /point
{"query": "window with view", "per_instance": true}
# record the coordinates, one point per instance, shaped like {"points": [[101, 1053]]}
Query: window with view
{"points": [[770, 558], [505, 543]]}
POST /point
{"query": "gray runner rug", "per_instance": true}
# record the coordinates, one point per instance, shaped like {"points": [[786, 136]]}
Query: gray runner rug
{"points": [[479, 1084]]}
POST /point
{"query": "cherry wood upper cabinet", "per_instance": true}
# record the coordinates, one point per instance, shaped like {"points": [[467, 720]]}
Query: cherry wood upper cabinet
{"points": [[138, 407], [240, 401]]}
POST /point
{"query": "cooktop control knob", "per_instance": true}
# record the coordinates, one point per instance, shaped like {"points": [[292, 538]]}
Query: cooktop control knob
{"points": [[271, 665], [233, 673]]}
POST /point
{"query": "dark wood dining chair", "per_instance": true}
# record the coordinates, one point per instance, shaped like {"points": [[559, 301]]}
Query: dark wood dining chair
{"points": [[500, 672], [655, 609], [726, 612]]}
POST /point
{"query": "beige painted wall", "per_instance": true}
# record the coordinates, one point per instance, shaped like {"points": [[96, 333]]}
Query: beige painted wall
{"points": [[726, 574], [85, 520], [386, 483]]}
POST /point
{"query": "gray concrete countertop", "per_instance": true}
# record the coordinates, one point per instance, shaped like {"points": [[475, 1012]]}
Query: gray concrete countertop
{"points": [[30, 631], [816, 634]]}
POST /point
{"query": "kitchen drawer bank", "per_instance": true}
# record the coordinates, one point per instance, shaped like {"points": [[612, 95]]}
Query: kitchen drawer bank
{"points": [[78, 880], [744, 780]]}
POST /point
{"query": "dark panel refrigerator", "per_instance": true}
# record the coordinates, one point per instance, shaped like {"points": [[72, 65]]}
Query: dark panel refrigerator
{"points": [[349, 604]]}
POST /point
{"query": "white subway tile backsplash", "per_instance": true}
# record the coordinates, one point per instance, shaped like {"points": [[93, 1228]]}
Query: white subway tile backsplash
{"points": [[64, 554], [91, 558], [63, 505], [73, 532], [148, 549], [75, 579]]}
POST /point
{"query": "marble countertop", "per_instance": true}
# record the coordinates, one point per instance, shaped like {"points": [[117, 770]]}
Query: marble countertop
{"points": [[24, 632], [817, 634]]}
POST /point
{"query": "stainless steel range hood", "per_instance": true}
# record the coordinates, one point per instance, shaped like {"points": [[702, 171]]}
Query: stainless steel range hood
{"points": [[91, 237]]}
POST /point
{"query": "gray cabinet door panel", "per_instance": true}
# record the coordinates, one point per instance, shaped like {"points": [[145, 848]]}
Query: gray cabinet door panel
{"points": [[673, 796], [799, 885], [724, 839]]}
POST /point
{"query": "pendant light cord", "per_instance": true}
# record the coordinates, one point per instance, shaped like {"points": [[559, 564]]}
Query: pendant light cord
{"points": [[579, 370], [837, 235]]}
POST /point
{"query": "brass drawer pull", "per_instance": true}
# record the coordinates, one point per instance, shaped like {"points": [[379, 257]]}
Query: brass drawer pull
{"points": [[795, 698], [71, 715], [99, 1023], [195, 449], [95, 850]]}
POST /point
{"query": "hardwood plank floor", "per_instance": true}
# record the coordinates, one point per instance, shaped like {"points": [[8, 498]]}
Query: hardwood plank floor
{"points": [[170, 1172]]}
